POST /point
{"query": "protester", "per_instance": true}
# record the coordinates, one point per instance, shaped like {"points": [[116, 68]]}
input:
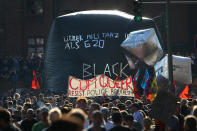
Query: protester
{"points": [[97, 120], [5, 121], [190, 123], [137, 114], [117, 120], [147, 124], [77, 115], [26, 124], [133, 124], [54, 115], [43, 123], [107, 123]]}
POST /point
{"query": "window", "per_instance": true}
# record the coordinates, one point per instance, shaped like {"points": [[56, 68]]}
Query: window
{"points": [[40, 41], [34, 7], [31, 51], [31, 41], [35, 46]]}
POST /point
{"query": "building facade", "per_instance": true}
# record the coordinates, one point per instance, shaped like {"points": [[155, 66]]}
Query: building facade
{"points": [[25, 24]]}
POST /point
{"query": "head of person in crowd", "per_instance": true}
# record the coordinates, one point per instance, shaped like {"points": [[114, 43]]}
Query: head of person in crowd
{"points": [[189, 104], [9, 104], [184, 102], [70, 105], [26, 106], [133, 124], [33, 100], [64, 125], [41, 97], [178, 108], [66, 102], [194, 102], [16, 96], [19, 108], [65, 109], [111, 104], [82, 103], [48, 105], [105, 112], [147, 124], [140, 105], [43, 115], [190, 123], [89, 102], [114, 109], [121, 106], [124, 114], [5, 118], [134, 108], [28, 100], [194, 111], [128, 103], [93, 107], [184, 110], [97, 119], [9, 98], [117, 118], [54, 115], [19, 102], [78, 115], [30, 114], [16, 116], [129, 121]]}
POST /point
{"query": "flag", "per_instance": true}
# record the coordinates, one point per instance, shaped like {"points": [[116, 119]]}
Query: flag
{"points": [[136, 75], [148, 86], [185, 93], [145, 80], [35, 84], [135, 91], [153, 90]]}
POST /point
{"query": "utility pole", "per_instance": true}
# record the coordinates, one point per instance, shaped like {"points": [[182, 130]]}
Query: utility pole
{"points": [[169, 49]]}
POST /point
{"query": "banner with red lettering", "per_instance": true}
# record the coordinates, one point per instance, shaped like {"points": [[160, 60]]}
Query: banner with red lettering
{"points": [[99, 86]]}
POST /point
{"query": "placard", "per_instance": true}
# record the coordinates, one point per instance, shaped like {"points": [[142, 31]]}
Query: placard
{"points": [[181, 69], [99, 86]]}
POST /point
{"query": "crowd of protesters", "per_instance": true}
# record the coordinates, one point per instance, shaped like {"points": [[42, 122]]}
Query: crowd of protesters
{"points": [[35, 111], [15, 68], [18, 67]]}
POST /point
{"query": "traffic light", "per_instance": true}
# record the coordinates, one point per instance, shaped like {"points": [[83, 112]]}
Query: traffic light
{"points": [[137, 10]]}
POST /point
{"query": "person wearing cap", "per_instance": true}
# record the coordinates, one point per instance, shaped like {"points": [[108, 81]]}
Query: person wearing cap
{"points": [[43, 123], [137, 114]]}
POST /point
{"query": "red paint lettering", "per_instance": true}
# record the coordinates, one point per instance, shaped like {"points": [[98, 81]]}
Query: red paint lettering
{"points": [[108, 82], [105, 84], [71, 84], [127, 83]]}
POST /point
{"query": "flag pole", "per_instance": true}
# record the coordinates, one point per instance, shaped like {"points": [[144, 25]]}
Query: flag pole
{"points": [[169, 49]]}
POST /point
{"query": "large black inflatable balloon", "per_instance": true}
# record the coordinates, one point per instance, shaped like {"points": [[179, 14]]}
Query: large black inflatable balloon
{"points": [[86, 44]]}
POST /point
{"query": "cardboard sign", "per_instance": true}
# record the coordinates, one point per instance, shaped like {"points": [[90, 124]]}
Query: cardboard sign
{"points": [[144, 44], [99, 86], [181, 69]]}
